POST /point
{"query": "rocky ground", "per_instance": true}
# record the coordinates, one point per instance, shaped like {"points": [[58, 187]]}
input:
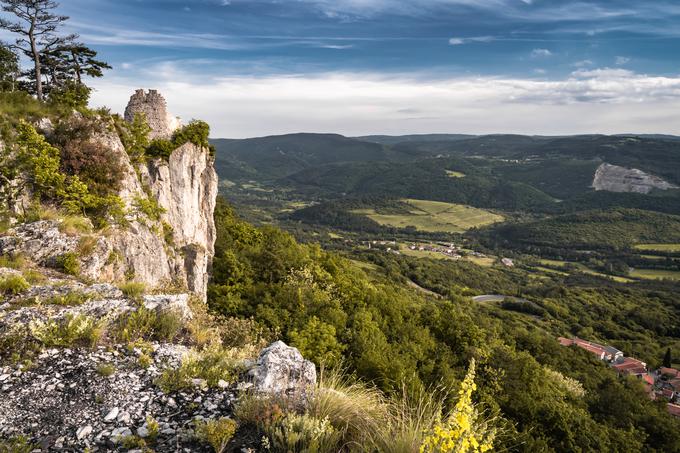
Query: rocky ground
{"points": [[108, 397]]}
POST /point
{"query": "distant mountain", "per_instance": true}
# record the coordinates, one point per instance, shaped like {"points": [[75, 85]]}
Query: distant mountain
{"points": [[279, 156], [394, 139]]}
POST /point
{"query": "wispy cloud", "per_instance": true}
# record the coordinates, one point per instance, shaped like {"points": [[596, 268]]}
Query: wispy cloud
{"points": [[620, 61], [541, 53], [461, 41], [606, 100]]}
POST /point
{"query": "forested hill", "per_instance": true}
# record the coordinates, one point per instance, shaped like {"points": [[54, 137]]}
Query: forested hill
{"points": [[279, 156]]}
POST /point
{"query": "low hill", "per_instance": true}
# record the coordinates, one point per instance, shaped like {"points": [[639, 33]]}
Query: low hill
{"points": [[595, 229], [279, 156]]}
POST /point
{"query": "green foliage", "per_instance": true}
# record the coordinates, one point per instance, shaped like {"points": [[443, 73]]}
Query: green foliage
{"points": [[195, 132], [211, 364], [70, 331], [133, 290], [40, 160], [134, 135], [302, 434], [614, 228], [19, 444], [216, 432], [71, 94], [548, 398], [74, 225], [317, 341], [149, 207], [145, 324], [69, 263], [13, 285], [106, 369]]}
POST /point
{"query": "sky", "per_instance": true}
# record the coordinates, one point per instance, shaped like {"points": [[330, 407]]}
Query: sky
{"points": [[355, 67]]}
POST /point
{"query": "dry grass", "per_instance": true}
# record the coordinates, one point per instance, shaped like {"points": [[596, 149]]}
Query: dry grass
{"points": [[75, 225]]}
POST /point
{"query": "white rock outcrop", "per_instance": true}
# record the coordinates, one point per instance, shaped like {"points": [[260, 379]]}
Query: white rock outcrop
{"points": [[177, 250], [613, 178], [281, 370]]}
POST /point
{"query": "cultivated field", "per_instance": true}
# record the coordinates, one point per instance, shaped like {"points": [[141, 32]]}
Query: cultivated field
{"points": [[659, 247], [655, 274], [435, 216]]}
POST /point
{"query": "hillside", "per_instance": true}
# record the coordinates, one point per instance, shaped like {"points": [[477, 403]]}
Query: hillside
{"points": [[280, 156], [596, 229]]}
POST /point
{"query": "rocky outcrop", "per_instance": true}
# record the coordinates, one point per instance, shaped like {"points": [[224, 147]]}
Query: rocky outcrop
{"points": [[154, 108], [613, 178], [65, 403], [281, 370], [176, 250]]}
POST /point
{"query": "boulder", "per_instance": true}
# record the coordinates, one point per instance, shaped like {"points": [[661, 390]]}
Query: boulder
{"points": [[176, 303], [281, 370]]}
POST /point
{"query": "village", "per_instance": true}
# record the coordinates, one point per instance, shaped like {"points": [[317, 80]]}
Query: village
{"points": [[450, 251], [662, 383]]}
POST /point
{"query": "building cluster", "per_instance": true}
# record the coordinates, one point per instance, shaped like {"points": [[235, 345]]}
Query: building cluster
{"points": [[449, 250], [662, 383]]}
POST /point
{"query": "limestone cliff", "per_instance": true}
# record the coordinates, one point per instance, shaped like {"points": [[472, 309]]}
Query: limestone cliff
{"points": [[613, 178], [175, 249]]}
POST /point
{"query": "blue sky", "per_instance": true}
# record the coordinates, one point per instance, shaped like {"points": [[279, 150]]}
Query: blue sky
{"points": [[256, 67]]}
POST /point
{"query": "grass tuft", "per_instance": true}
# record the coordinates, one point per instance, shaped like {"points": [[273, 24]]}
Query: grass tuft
{"points": [[133, 290], [71, 331], [13, 285], [217, 433]]}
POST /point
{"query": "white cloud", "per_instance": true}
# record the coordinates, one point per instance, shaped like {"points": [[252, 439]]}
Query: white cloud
{"points": [[620, 61], [461, 41], [602, 100], [541, 53], [582, 63]]}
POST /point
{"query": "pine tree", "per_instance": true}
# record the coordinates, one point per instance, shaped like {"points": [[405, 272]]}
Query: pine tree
{"points": [[668, 359], [37, 27]]}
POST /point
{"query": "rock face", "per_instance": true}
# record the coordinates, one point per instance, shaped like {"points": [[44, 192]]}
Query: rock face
{"points": [[281, 370], [154, 107], [177, 250], [613, 178]]}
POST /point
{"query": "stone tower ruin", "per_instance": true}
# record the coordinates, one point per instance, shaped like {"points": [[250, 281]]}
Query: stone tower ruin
{"points": [[153, 106]]}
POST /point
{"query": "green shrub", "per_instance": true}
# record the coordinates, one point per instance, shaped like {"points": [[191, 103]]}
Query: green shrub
{"points": [[133, 290], [144, 360], [13, 285], [72, 94], [73, 330], [19, 444], [71, 299], [12, 261], [303, 434], [87, 245], [74, 225], [217, 433], [145, 324], [33, 276], [134, 136], [160, 148], [106, 369], [149, 207], [196, 132], [212, 364], [69, 263]]}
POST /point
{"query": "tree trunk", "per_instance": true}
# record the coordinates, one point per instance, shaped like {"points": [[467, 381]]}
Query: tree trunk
{"points": [[36, 61]]}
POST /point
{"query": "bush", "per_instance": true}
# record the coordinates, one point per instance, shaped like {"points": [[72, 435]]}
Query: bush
{"points": [[19, 444], [70, 299], [13, 285], [145, 324], [211, 364], [134, 136], [303, 434], [69, 263], [216, 433], [106, 369], [149, 207], [72, 94], [196, 132], [73, 330], [74, 225], [12, 261], [133, 290]]}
